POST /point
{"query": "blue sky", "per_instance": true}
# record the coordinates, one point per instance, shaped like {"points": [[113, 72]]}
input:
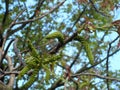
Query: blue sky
{"points": [[115, 59]]}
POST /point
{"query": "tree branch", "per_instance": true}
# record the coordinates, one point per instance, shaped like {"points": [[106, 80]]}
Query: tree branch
{"points": [[6, 12], [96, 75], [24, 24], [59, 45], [12, 76], [97, 9], [18, 54], [40, 17], [97, 63], [10, 26], [5, 52], [56, 84], [107, 66], [76, 57]]}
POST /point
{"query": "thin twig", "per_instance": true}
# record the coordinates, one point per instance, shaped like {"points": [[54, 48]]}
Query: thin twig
{"points": [[80, 15], [24, 24], [97, 9], [76, 57], [97, 63], [14, 21], [96, 75], [10, 26], [107, 66], [59, 45], [9, 73], [17, 52], [47, 13]]}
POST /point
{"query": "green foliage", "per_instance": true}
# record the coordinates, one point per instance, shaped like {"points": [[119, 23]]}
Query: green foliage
{"points": [[35, 62]]}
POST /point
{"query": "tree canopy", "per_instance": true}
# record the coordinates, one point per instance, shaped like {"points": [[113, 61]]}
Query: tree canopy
{"points": [[58, 44]]}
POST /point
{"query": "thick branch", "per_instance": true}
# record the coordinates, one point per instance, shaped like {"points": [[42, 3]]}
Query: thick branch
{"points": [[12, 76], [6, 51], [6, 12]]}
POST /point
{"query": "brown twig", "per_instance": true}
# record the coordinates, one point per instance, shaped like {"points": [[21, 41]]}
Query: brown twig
{"points": [[56, 84], [45, 14], [10, 26], [97, 63], [107, 66], [76, 57], [97, 9], [96, 75], [14, 21], [24, 24], [18, 54], [59, 45]]}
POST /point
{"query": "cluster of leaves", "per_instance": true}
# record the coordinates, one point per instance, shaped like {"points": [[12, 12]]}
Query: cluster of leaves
{"points": [[35, 62]]}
